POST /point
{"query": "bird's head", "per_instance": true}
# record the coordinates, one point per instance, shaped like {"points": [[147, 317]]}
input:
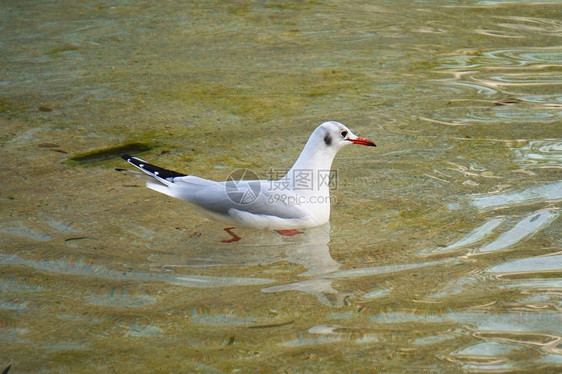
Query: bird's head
{"points": [[335, 135]]}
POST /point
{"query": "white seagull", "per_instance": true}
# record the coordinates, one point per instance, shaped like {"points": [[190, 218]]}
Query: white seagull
{"points": [[300, 199]]}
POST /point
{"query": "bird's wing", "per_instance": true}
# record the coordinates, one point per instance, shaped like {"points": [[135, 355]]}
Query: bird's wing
{"points": [[220, 197], [250, 196], [162, 175]]}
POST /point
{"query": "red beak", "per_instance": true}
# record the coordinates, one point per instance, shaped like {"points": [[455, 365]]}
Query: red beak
{"points": [[363, 141]]}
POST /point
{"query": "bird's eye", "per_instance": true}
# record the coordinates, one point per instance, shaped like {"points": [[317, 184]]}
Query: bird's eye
{"points": [[343, 133]]}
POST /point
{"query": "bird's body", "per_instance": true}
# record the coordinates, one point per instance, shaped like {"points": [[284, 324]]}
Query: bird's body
{"points": [[219, 201], [300, 199]]}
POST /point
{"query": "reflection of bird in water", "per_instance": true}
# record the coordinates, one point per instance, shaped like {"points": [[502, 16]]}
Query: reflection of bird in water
{"points": [[300, 199], [309, 250], [321, 288]]}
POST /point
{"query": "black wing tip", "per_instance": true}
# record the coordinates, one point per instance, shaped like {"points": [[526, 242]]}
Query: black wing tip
{"points": [[153, 170], [134, 160], [5, 371]]}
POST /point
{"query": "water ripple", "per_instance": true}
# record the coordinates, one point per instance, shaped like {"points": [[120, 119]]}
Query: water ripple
{"points": [[539, 153], [540, 264], [80, 268], [542, 193], [524, 228], [532, 74]]}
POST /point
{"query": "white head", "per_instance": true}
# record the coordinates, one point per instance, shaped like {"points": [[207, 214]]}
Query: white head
{"points": [[335, 136], [324, 143]]}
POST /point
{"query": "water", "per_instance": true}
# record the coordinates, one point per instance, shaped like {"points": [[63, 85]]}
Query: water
{"points": [[443, 251]]}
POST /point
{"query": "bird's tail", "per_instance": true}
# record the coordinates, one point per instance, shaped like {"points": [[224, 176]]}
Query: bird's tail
{"points": [[163, 176]]}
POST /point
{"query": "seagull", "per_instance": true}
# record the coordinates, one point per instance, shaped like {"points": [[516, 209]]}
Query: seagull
{"points": [[298, 200]]}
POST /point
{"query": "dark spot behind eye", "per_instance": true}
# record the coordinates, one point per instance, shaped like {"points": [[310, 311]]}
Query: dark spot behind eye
{"points": [[344, 133], [328, 139]]}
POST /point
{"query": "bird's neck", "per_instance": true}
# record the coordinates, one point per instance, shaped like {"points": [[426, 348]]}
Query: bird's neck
{"points": [[319, 160], [312, 170]]}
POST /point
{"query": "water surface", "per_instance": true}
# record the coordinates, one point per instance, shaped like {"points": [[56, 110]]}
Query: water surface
{"points": [[444, 248]]}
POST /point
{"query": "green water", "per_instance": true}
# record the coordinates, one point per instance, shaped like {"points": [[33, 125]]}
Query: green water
{"points": [[444, 250]]}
